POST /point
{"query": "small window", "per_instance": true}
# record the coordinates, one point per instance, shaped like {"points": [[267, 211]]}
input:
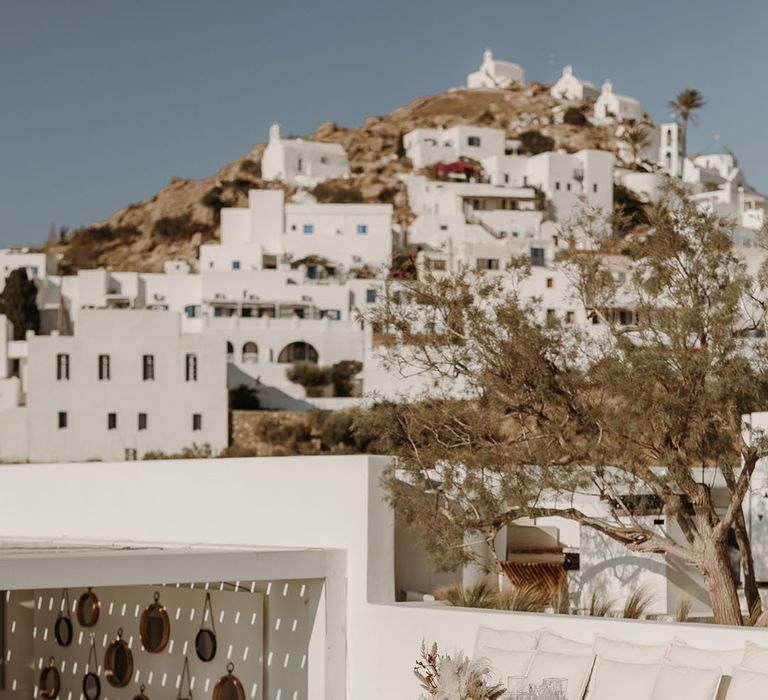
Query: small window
{"points": [[309, 228], [190, 373], [473, 141], [551, 315], [148, 367], [197, 421], [443, 227], [569, 316], [192, 311], [525, 181], [537, 257], [33, 271], [142, 421], [104, 370], [362, 229], [111, 421], [62, 420], [62, 366], [594, 187], [235, 264], [568, 186], [487, 263], [506, 178], [557, 185], [550, 283], [370, 296]]}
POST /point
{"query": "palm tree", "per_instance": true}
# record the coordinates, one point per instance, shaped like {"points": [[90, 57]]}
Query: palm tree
{"points": [[684, 106], [636, 138]]}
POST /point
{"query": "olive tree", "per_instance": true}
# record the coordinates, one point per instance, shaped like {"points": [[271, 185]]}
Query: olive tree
{"points": [[643, 401]]}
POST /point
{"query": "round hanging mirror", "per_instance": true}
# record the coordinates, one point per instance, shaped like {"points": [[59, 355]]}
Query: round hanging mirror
{"points": [[141, 695], [62, 628], [91, 680], [229, 687], [205, 641], [50, 681], [154, 627], [88, 607], [118, 662]]}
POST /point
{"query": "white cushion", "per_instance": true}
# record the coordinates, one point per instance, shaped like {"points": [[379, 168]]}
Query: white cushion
{"points": [[512, 640], [747, 685], [680, 654], [561, 645], [507, 662], [678, 682], [574, 668], [612, 680], [755, 658], [627, 651]]}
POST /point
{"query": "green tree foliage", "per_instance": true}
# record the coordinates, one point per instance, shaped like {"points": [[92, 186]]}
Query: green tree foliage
{"points": [[533, 142], [527, 409], [315, 379], [686, 105], [18, 301], [244, 398]]}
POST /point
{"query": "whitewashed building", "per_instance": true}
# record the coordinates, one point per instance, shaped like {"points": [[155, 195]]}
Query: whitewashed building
{"points": [[426, 147], [270, 231], [495, 74], [302, 162], [126, 383], [610, 106], [570, 87], [37, 264]]}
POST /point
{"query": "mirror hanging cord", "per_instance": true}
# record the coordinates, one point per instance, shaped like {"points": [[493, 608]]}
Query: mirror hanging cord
{"points": [[185, 673], [92, 655], [64, 603], [207, 606]]}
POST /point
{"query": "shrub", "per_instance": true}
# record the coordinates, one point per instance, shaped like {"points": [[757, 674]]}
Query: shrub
{"points": [[309, 375], [177, 228], [528, 598], [252, 167], [481, 595], [336, 192], [18, 301], [533, 142], [637, 603], [342, 374], [244, 398], [575, 117], [194, 452]]}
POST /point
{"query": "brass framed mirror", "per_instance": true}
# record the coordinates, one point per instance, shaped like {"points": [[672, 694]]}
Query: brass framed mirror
{"points": [[118, 662], [88, 608], [205, 641], [141, 695], [229, 687], [91, 680], [50, 681], [154, 627], [62, 628]]}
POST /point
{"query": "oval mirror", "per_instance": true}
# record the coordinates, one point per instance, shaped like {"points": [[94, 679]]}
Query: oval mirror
{"points": [[141, 695], [88, 607], [118, 662], [50, 681], [205, 641], [229, 687], [91, 686], [62, 628], [154, 627]]}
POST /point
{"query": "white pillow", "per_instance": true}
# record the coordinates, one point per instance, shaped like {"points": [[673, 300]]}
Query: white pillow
{"points": [[574, 668], [619, 679], [755, 658], [678, 682], [507, 662], [562, 645], [627, 651], [680, 654], [506, 639], [747, 685]]}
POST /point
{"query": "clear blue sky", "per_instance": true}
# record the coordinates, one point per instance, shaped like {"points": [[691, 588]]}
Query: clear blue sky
{"points": [[103, 101]]}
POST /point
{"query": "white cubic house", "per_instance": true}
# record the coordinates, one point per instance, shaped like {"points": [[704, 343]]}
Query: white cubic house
{"points": [[126, 383], [302, 162], [426, 147], [610, 106]]}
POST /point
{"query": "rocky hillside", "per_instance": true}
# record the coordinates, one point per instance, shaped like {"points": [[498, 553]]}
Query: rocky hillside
{"points": [[185, 213]]}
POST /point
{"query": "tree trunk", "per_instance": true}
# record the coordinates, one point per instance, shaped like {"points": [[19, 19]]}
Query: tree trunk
{"points": [[723, 596], [754, 604]]}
